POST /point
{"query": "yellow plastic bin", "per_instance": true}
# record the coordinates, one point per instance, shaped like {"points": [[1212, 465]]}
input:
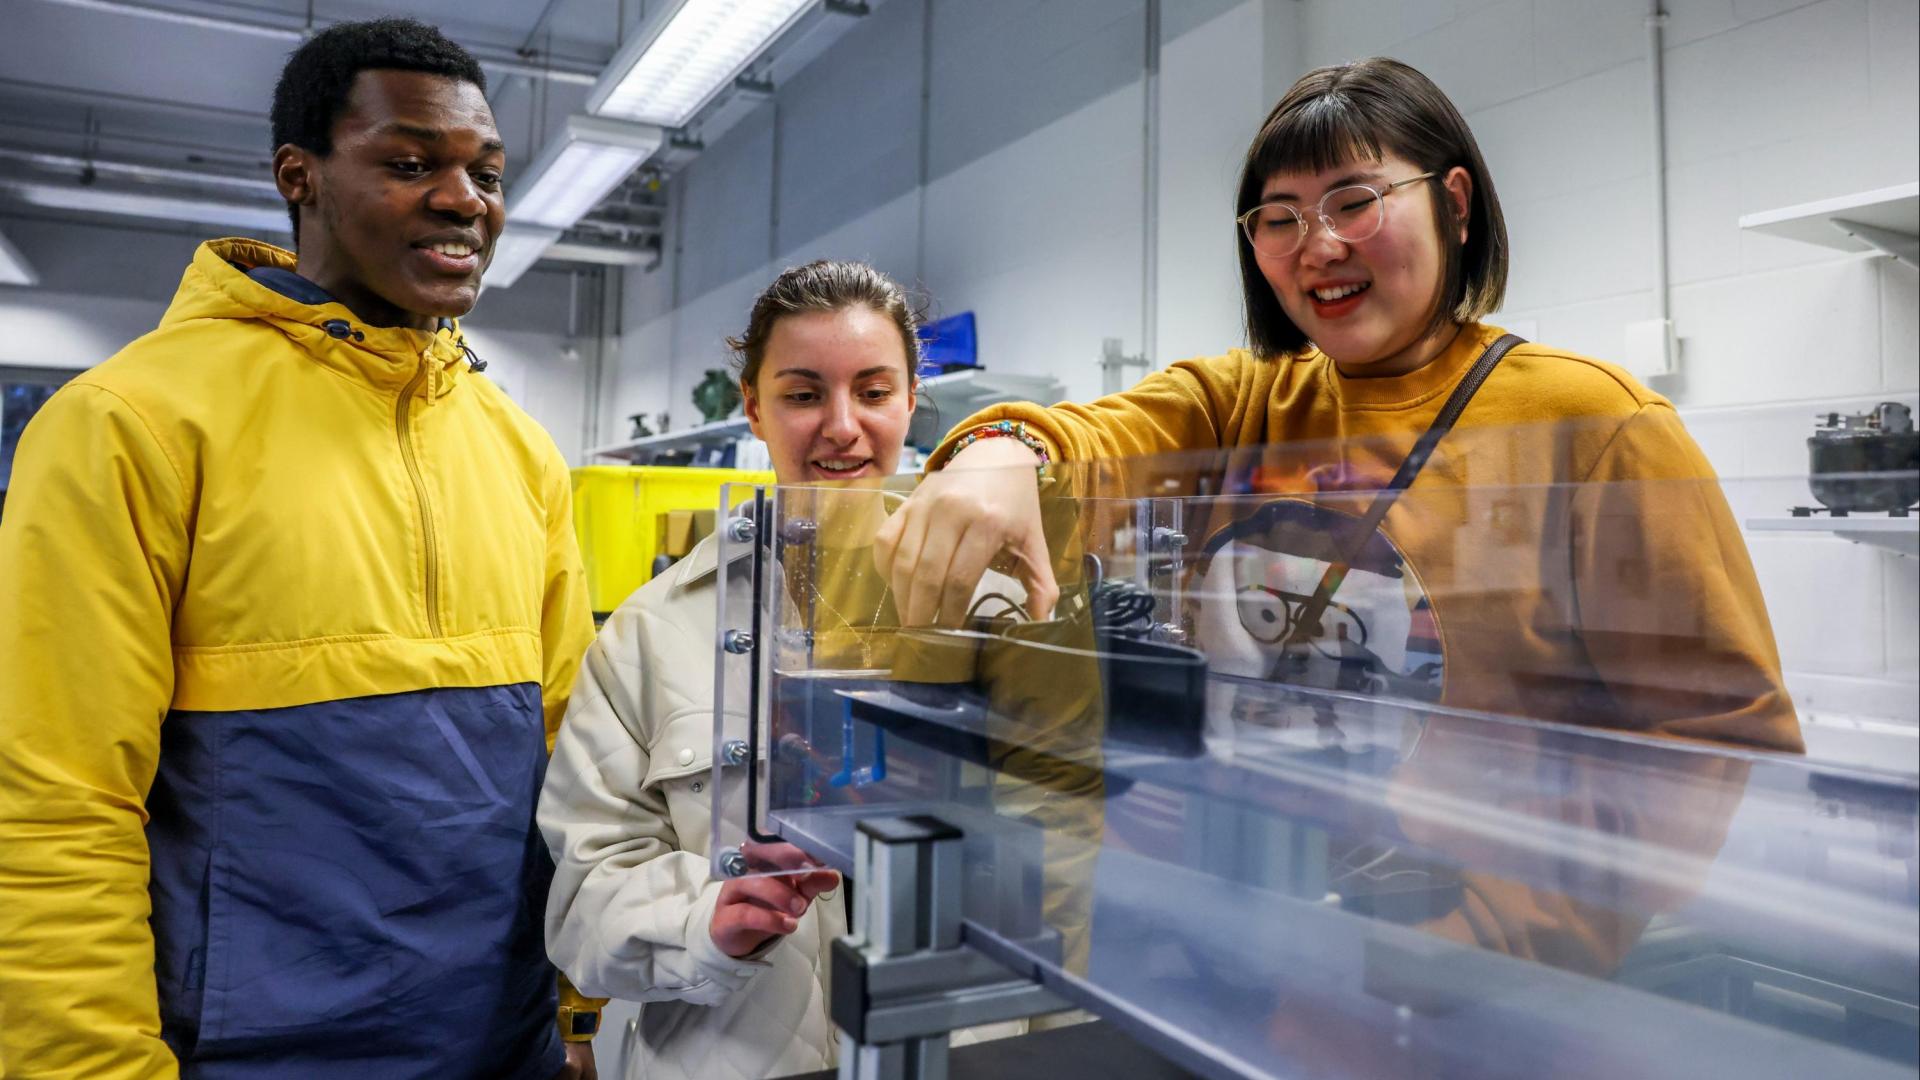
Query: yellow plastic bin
{"points": [[616, 515]]}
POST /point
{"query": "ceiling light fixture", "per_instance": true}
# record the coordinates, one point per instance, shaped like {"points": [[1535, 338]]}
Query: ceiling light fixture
{"points": [[588, 158], [577, 168], [143, 204], [520, 246], [692, 49]]}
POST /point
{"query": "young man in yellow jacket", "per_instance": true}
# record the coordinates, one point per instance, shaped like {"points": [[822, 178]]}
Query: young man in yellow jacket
{"points": [[292, 607]]}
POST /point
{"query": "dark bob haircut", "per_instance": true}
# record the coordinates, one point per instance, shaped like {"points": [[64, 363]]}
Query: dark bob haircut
{"points": [[1362, 111], [313, 87]]}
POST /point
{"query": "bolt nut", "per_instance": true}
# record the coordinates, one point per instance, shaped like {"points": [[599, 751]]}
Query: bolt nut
{"points": [[734, 752], [797, 531], [742, 530], [1165, 539], [732, 863], [737, 642]]}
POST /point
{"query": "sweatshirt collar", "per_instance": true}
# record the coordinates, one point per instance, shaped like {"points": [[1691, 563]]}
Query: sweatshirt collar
{"points": [[223, 281], [1416, 387]]}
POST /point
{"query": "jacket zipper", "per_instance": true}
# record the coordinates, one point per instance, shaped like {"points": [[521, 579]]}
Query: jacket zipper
{"points": [[420, 493]]}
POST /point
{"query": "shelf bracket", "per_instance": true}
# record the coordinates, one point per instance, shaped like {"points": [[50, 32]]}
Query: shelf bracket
{"points": [[1900, 245]]}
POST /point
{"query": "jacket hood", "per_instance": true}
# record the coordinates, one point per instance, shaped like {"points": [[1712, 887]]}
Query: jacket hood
{"points": [[216, 286]]}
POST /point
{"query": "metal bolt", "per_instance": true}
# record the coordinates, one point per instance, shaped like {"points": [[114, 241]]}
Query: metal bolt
{"points": [[1167, 632], [741, 530], [797, 531], [1165, 539], [734, 752], [732, 863], [736, 641], [796, 637]]}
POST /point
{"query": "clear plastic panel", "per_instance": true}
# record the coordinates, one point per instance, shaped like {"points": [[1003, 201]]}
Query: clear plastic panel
{"points": [[1505, 787]]}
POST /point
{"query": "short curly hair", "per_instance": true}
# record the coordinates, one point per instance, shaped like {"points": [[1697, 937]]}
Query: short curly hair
{"points": [[319, 75]]}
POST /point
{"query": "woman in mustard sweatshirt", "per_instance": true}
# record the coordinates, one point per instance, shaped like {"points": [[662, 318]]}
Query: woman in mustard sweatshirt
{"points": [[1564, 554]]}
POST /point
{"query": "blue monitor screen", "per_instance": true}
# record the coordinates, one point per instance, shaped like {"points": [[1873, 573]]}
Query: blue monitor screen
{"points": [[947, 344]]}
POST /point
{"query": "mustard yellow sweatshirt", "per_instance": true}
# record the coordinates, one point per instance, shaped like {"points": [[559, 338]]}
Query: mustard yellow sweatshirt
{"points": [[1568, 552]]}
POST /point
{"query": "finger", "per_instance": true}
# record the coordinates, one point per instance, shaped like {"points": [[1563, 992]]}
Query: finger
{"points": [[812, 885], [965, 568], [743, 928], [886, 541], [1037, 574], [906, 560], [930, 577], [774, 893]]}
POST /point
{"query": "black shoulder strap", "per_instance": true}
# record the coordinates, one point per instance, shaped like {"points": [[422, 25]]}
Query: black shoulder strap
{"points": [[1307, 624]]}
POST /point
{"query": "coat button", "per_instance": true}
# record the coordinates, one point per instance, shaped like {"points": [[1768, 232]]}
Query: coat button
{"points": [[686, 757]]}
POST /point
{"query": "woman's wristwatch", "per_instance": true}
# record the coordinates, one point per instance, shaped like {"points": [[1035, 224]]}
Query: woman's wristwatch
{"points": [[579, 1014]]}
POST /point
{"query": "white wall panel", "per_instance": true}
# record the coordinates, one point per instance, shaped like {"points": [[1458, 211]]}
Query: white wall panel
{"points": [[1829, 622], [1212, 100], [1795, 74], [1899, 326], [1574, 38], [1043, 238], [1480, 59], [540, 376], [1803, 334]]}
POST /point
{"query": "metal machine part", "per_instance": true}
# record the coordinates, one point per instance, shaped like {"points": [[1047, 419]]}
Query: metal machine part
{"points": [[1864, 462], [902, 980]]}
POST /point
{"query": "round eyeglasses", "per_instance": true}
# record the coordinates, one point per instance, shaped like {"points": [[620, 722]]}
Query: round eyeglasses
{"points": [[1350, 214]]}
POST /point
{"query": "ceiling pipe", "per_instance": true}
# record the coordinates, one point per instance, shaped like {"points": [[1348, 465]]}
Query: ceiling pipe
{"points": [[494, 58], [139, 172]]}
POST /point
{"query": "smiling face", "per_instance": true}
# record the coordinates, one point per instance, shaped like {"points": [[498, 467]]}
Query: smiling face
{"points": [[398, 222], [1368, 304], [833, 396]]}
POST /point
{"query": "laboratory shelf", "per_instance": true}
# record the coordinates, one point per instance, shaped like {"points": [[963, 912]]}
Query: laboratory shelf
{"points": [[1897, 534], [1885, 219]]}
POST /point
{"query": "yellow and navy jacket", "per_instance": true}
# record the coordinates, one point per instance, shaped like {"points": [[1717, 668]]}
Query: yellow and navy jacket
{"points": [[292, 605]]}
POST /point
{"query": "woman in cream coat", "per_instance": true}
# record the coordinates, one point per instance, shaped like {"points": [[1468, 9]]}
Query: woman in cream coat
{"points": [[733, 975]]}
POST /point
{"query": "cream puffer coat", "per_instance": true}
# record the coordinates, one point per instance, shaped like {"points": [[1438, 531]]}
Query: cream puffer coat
{"points": [[626, 813]]}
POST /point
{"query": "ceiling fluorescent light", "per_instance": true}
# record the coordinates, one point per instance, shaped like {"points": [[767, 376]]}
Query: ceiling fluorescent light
{"points": [[13, 265], [575, 170], [144, 205], [689, 52], [520, 246]]}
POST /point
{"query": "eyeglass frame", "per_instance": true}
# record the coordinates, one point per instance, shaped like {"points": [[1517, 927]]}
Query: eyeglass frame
{"points": [[1319, 212]]}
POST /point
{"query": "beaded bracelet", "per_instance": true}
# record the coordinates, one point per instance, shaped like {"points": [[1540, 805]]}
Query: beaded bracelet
{"points": [[1004, 429]]}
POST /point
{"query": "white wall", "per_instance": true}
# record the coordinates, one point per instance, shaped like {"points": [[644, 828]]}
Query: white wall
{"points": [[1033, 216]]}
